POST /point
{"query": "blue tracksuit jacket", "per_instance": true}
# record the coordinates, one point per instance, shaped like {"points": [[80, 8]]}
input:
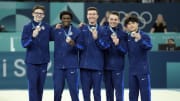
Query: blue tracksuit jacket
{"points": [[115, 55], [114, 63], [37, 57], [37, 49], [66, 62], [137, 54], [92, 54], [139, 73], [65, 55]]}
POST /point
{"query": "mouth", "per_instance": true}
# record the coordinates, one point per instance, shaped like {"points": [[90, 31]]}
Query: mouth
{"points": [[66, 23], [39, 17]]}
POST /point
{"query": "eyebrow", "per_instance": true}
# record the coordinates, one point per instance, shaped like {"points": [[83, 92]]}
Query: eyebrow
{"points": [[66, 17], [39, 12]]}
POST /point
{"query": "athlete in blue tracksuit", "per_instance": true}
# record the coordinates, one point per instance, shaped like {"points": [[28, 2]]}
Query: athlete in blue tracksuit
{"points": [[35, 38], [139, 43], [66, 65], [115, 59], [91, 58]]}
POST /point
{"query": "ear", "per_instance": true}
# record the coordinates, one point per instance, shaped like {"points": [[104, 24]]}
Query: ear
{"points": [[138, 24], [86, 16], [118, 20]]}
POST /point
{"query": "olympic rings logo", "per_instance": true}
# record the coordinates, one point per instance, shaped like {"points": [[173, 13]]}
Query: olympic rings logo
{"points": [[144, 17]]}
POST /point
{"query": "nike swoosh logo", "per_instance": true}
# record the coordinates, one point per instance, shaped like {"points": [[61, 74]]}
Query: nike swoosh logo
{"points": [[143, 79], [72, 72]]}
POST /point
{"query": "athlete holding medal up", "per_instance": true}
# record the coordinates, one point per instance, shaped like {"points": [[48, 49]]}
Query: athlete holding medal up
{"points": [[35, 38], [66, 66], [92, 57], [114, 58]]}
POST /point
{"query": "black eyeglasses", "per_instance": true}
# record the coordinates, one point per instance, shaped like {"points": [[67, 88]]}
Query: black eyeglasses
{"points": [[38, 13]]}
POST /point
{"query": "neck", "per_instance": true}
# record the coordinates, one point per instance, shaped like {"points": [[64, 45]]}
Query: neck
{"points": [[135, 31], [113, 26], [36, 21], [66, 26], [92, 23]]}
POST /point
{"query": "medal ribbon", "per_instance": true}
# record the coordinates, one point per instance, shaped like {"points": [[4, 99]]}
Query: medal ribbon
{"points": [[69, 32], [33, 26]]}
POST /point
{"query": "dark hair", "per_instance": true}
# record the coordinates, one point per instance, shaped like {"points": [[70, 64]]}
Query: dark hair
{"points": [[38, 7], [171, 39], [115, 13], [131, 18], [92, 8], [65, 13]]}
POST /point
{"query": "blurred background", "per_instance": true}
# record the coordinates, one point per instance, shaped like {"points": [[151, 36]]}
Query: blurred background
{"points": [[164, 57]]}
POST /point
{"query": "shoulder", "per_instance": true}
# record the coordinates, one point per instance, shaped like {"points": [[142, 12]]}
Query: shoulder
{"points": [[28, 25], [100, 28], [123, 33], [84, 26], [144, 33], [164, 24], [46, 24], [75, 29], [105, 27]]}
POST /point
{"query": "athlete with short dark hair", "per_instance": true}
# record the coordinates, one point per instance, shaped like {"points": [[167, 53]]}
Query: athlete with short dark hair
{"points": [[139, 43], [35, 38]]}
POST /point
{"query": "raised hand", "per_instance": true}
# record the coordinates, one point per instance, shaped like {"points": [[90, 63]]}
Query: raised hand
{"points": [[70, 41], [58, 26], [36, 31]]}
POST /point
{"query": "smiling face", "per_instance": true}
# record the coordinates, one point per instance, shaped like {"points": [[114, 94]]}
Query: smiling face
{"points": [[132, 26], [66, 20], [38, 15], [113, 20], [92, 16]]}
